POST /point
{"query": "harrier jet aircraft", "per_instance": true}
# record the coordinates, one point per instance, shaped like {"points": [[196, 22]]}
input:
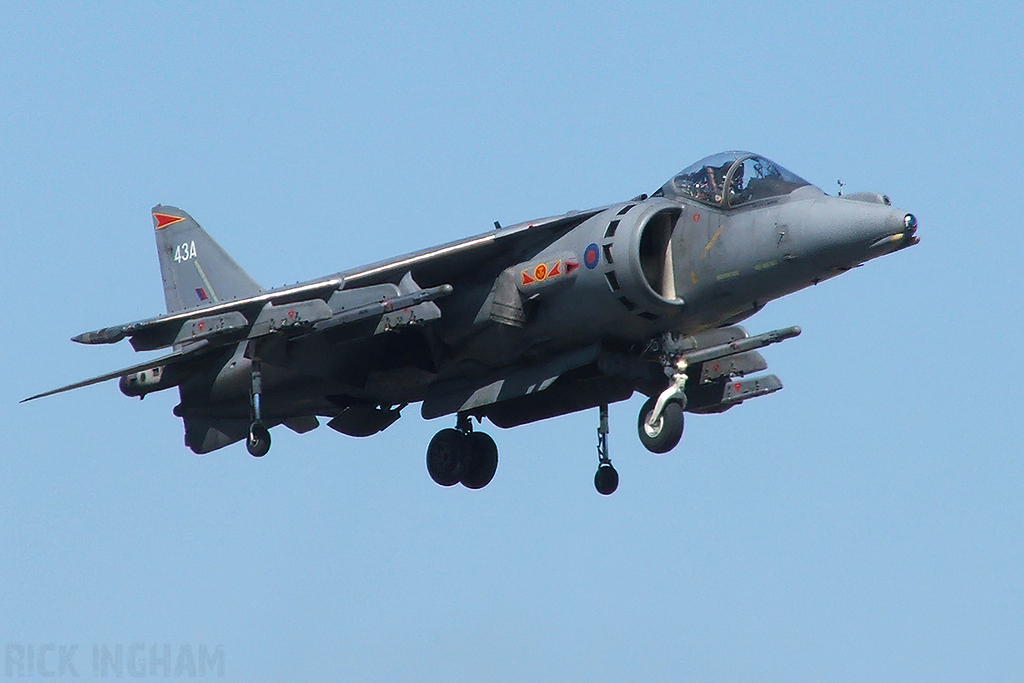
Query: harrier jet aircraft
{"points": [[518, 324]]}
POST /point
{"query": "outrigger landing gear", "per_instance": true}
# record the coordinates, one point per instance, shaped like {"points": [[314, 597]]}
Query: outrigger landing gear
{"points": [[606, 479], [258, 443], [463, 456]]}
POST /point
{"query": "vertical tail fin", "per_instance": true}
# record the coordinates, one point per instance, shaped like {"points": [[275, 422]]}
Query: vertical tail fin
{"points": [[195, 269]]}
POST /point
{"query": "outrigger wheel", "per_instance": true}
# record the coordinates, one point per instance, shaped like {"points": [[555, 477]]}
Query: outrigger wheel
{"points": [[258, 443], [606, 479]]}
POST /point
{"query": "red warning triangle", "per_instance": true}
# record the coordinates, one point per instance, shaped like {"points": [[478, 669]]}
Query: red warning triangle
{"points": [[571, 266], [527, 280], [162, 220]]}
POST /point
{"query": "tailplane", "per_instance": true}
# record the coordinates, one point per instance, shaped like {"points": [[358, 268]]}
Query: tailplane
{"points": [[196, 270]]}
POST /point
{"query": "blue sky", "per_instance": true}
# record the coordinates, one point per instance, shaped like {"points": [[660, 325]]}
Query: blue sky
{"points": [[863, 524]]}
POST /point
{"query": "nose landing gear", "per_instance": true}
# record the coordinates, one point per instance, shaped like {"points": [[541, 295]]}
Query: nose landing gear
{"points": [[661, 434], [660, 425], [463, 456]]}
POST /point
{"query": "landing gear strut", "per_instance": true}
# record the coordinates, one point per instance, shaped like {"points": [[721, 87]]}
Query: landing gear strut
{"points": [[258, 443], [606, 479], [463, 456]]}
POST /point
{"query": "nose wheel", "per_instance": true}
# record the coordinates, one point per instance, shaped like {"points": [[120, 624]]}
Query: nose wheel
{"points": [[662, 433], [660, 425]]}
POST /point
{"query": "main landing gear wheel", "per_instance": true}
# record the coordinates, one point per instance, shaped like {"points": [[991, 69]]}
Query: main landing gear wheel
{"points": [[664, 434], [482, 461], [445, 456], [457, 456], [258, 443]]}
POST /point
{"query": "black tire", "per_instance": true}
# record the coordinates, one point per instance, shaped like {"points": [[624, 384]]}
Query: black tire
{"points": [[447, 455], [606, 480], [258, 443], [666, 433], [482, 461]]}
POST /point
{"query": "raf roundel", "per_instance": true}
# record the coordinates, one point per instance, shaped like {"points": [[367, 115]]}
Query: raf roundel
{"points": [[592, 256]]}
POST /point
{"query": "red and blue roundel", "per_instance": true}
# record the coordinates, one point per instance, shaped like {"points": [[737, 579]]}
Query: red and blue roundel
{"points": [[592, 256]]}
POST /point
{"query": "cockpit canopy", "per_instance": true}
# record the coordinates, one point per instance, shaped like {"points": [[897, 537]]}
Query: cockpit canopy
{"points": [[731, 179]]}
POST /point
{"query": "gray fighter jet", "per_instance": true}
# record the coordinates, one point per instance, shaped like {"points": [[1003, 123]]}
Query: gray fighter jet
{"points": [[515, 325]]}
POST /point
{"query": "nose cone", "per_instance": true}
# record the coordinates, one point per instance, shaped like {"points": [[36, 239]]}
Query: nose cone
{"points": [[906, 237], [844, 233]]}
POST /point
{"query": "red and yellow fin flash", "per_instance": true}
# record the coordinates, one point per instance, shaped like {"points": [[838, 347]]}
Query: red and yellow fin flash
{"points": [[162, 220]]}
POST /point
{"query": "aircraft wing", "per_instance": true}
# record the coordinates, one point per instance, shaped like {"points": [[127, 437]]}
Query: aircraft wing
{"points": [[165, 330], [386, 289], [187, 352], [220, 319], [437, 264]]}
